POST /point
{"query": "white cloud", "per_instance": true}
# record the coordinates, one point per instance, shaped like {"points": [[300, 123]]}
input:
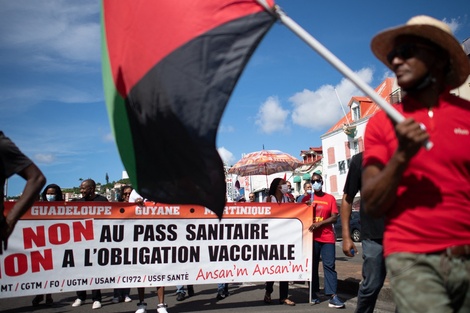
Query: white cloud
{"points": [[44, 158], [51, 146], [20, 99], [55, 31], [226, 129], [387, 74], [109, 137], [226, 156], [271, 116], [321, 108], [454, 24]]}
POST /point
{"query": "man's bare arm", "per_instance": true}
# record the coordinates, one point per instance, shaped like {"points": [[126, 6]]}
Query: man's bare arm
{"points": [[35, 180], [345, 212]]}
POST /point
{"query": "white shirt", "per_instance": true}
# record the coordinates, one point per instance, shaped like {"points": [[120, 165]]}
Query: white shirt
{"points": [[284, 199], [134, 196]]}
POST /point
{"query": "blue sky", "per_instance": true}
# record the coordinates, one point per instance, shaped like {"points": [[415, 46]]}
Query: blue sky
{"points": [[52, 103]]}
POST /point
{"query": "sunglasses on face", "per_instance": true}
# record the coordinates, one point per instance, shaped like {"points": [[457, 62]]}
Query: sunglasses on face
{"points": [[406, 51], [317, 181]]}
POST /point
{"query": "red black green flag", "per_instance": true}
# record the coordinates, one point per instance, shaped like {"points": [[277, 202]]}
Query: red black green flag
{"points": [[169, 68]]}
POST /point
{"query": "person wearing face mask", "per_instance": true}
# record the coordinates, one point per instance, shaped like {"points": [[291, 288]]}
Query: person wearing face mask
{"points": [[52, 192], [277, 193], [289, 194], [307, 191], [325, 212]]}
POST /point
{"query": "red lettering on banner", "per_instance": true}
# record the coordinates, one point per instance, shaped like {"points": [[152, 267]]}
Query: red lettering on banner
{"points": [[29, 235], [80, 230], [57, 234], [270, 270], [17, 264], [221, 273], [39, 260]]}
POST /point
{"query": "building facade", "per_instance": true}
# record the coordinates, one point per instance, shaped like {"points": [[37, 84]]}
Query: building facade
{"points": [[346, 137]]}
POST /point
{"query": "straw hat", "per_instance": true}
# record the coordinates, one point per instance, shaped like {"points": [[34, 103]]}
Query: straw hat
{"points": [[433, 30]]}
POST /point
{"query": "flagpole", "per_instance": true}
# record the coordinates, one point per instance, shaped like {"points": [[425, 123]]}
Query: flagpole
{"points": [[342, 108], [337, 63]]}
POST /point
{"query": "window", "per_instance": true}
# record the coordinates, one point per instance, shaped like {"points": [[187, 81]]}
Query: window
{"points": [[331, 156], [342, 167], [354, 147], [395, 96], [356, 111]]}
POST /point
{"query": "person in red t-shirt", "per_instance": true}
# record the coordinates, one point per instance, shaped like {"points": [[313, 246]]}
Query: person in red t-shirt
{"points": [[424, 193], [325, 212]]}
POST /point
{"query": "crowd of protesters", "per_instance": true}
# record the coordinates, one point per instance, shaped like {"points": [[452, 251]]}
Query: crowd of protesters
{"points": [[280, 192], [429, 260]]}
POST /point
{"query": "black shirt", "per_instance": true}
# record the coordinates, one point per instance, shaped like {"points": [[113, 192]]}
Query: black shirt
{"points": [[96, 198], [371, 228]]}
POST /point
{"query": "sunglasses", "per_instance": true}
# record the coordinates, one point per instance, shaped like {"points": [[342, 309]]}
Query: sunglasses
{"points": [[317, 181], [407, 51]]}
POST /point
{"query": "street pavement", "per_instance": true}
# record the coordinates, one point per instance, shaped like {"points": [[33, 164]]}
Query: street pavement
{"points": [[244, 297]]}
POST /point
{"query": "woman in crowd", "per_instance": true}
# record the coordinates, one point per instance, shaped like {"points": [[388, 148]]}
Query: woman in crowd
{"points": [[52, 192], [277, 193]]}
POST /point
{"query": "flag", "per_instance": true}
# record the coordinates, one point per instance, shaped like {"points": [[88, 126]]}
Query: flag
{"points": [[169, 68]]}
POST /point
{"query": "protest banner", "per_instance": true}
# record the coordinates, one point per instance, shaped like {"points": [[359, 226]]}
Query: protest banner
{"points": [[67, 246]]}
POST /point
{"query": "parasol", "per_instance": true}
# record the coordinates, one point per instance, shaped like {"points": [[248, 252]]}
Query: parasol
{"points": [[265, 162]]}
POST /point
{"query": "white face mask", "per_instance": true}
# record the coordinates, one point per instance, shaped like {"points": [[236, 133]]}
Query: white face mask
{"points": [[309, 191], [317, 186], [284, 188], [50, 197]]}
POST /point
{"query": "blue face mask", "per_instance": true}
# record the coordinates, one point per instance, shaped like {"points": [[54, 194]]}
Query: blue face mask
{"points": [[50, 197], [317, 186]]}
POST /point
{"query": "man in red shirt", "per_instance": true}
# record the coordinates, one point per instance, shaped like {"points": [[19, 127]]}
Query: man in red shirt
{"points": [[325, 214], [424, 194]]}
